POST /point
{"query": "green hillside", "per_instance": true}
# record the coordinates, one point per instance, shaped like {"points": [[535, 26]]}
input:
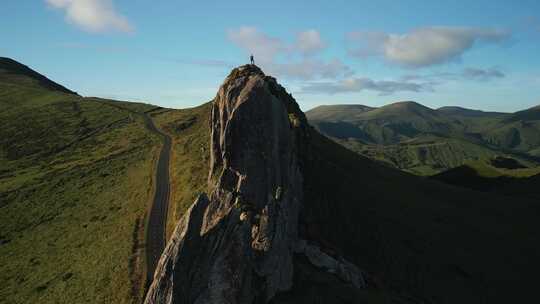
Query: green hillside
{"points": [[424, 155], [15, 73], [423, 141], [518, 131], [421, 241], [75, 182], [500, 175]]}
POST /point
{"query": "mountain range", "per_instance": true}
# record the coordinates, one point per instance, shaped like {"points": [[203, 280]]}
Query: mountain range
{"points": [[262, 207], [425, 141]]}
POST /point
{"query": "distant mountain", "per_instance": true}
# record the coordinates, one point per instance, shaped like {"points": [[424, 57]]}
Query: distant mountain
{"points": [[424, 141], [14, 72], [389, 124], [453, 111], [338, 112], [400, 108], [530, 114], [519, 131]]}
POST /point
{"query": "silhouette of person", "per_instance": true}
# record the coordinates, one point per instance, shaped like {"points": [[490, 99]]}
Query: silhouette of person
{"points": [[251, 59]]}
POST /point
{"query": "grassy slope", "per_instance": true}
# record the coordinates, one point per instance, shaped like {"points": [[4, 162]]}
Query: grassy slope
{"points": [[418, 238], [189, 158], [75, 182], [485, 176]]}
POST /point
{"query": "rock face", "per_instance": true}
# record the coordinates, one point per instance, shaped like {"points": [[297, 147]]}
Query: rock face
{"points": [[238, 245]]}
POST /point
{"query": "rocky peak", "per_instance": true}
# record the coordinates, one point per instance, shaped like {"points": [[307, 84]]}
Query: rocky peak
{"points": [[238, 244], [251, 109]]}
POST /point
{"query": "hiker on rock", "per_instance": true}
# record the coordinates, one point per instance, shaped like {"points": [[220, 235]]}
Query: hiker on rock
{"points": [[251, 59]]}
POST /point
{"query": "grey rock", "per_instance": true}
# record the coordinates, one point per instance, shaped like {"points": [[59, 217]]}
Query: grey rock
{"points": [[338, 266], [238, 245]]}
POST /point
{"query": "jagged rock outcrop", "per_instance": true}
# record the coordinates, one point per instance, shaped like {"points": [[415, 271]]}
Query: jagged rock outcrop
{"points": [[238, 245]]}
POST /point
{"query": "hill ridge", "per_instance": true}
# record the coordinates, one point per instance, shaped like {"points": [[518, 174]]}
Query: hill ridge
{"points": [[11, 66]]}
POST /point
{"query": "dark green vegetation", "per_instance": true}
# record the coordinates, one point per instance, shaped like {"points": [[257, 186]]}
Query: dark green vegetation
{"points": [[500, 175], [421, 241], [76, 177], [423, 141]]}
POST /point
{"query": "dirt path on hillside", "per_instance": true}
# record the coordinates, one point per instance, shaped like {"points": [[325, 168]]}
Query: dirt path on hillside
{"points": [[155, 238], [157, 218]]}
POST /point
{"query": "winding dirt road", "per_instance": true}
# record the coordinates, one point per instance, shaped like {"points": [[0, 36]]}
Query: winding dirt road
{"points": [[157, 218]]}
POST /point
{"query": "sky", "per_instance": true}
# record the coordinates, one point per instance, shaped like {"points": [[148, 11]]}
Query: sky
{"points": [[474, 54]]}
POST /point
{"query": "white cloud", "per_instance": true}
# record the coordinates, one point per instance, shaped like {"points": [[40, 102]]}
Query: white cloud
{"points": [[93, 15], [293, 60], [310, 69], [477, 74], [533, 23], [309, 42], [266, 48], [262, 46], [383, 87], [482, 74], [424, 46]]}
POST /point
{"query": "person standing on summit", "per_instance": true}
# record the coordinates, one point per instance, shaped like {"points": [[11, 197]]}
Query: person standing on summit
{"points": [[251, 59]]}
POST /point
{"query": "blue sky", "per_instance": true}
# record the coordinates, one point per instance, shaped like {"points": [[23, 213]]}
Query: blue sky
{"points": [[475, 54]]}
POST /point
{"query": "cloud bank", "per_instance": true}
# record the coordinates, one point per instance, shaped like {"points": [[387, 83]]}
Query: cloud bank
{"points": [[262, 46], [383, 87], [309, 42], [482, 74], [299, 55], [407, 83], [422, 47], [419, 48], [93, 15], [475, 74]]}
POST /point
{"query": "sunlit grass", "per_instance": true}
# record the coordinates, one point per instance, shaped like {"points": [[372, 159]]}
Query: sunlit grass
{"points": [[75, 183]]}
